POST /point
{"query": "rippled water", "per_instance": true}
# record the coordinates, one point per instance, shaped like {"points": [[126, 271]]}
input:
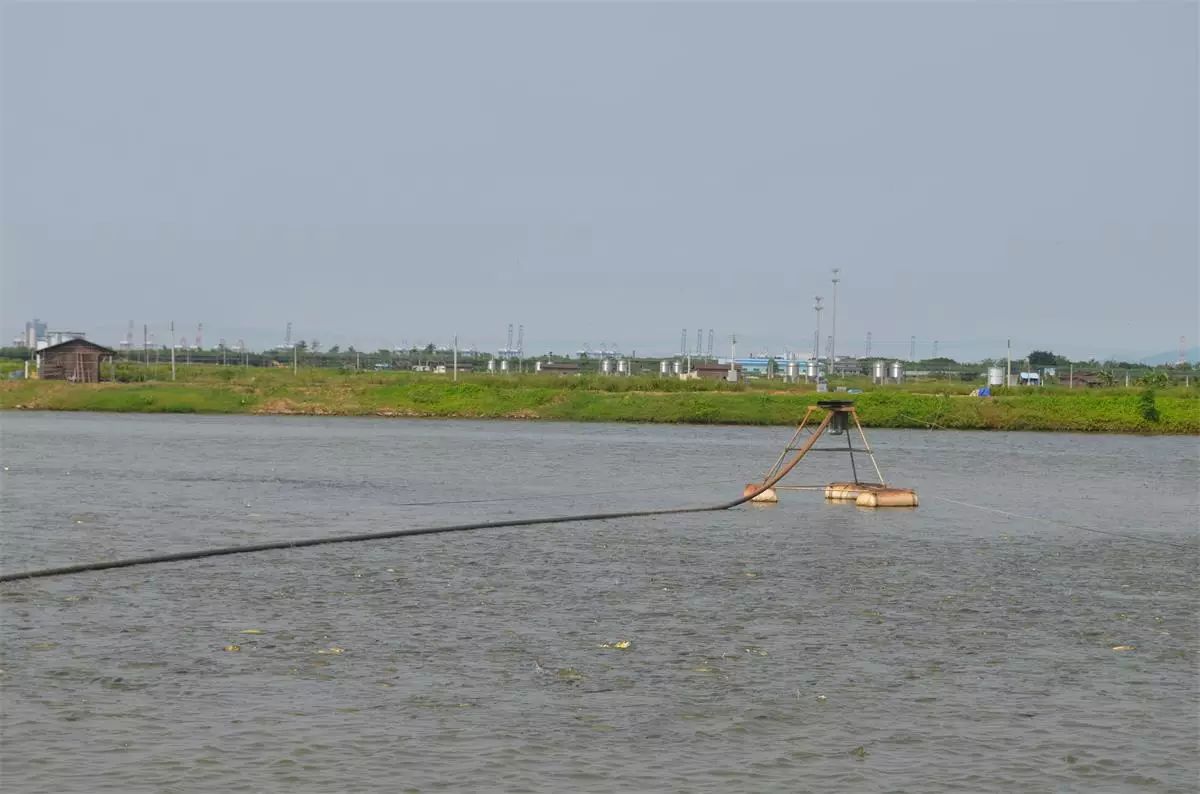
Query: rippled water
{"points": [[806, 646]]}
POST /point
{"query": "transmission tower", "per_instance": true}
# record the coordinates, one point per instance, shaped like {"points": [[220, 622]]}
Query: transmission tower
{"points": [[200, 336], [710, 343], [868, 353], [683, 343], [1182, 351], [287, 338], [508, 347], [520, 341]]}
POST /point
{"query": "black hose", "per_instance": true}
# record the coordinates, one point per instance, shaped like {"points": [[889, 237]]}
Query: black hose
{"points": [[392, 533], [200, 554]]}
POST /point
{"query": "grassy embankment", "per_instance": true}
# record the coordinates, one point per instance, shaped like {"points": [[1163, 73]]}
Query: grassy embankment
{"points": [[211, 389]]}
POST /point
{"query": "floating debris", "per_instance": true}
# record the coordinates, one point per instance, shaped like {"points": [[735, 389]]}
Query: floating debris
{"points": [[754, 650], [232, 648], [1124, 647], [705, 668], [821, 698], [859, 752], [620, 645], [332, 650], [251, 631], [570, 674], [42, 646]]}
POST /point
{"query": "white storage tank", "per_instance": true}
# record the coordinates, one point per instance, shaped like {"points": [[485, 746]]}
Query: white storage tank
{"points": [[793, 371], [606, 366], [812, 368], [879, 371], [504, 365], [664, 368], [897, 371], [995, 376], [622, 366]]}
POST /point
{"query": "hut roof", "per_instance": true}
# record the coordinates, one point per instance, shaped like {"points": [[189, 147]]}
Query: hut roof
{"points": [[84, 342]]}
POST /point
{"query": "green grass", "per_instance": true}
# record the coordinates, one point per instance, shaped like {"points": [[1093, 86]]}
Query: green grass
{"points": [[214, 390]]}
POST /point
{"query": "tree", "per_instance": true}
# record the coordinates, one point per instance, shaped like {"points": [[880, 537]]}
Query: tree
{"points": [[1042, 358], [429, 348], [302, 345], [314, 346], [335, 349]]}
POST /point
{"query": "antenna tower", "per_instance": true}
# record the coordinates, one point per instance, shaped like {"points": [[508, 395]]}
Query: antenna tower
{"points": [[683, 343], [710, 343], [508, 347]]}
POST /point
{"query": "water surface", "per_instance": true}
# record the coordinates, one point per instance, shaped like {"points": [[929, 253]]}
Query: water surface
{"points": [[805, 646]]}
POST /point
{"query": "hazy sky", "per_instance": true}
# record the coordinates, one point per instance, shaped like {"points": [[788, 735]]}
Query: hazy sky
{"points": [[381, 173]]}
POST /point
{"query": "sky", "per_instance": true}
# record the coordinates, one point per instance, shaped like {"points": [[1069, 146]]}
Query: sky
{"points": [[384, 174]]}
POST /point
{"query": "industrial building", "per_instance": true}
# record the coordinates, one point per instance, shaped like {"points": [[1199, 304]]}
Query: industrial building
{"points": [[75, 360], [557, 368]]}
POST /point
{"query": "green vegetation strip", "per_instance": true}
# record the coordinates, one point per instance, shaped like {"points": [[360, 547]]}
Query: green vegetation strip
{"points": [[234, 390]]}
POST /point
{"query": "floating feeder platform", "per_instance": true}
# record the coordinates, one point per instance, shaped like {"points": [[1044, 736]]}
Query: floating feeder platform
{"points": [[839, 415]]}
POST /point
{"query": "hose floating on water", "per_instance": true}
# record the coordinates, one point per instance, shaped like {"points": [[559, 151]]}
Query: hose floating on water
{"points": [[200, 554]]}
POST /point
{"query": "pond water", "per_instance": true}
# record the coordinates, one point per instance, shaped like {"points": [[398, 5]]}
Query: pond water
{"points": [[964, 645]]}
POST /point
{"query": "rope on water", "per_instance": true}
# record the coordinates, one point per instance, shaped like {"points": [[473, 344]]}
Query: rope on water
{"points": [[1044, 520]]}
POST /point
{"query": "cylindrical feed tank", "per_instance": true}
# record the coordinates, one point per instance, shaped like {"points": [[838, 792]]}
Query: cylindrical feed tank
{"points": [[995, 376]]}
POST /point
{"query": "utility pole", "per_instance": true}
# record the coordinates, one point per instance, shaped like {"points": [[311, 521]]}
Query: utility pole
{"points": [[172, 350], [833, 318], [817, 335], [146, 344], [1008, 376], [1071, 377], [295, 359], [456, 357]]}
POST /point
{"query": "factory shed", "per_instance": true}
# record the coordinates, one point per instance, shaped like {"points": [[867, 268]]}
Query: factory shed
{"points": [[76, 360]]}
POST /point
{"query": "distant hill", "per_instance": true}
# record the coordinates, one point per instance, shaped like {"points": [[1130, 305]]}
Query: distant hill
{"points": [[1193, 356]]}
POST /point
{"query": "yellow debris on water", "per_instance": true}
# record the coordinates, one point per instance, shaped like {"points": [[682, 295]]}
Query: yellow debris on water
{"points": [[620, 645], [1124, 647], [232, 648], [251, 631], [333, 650]]}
